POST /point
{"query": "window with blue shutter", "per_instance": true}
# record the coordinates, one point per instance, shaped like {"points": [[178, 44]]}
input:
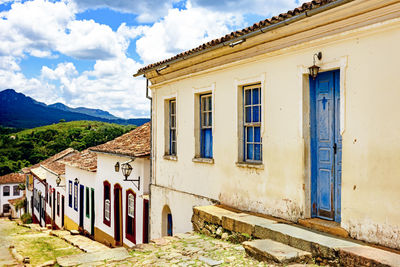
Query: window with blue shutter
{"points": [[206, 140], [172, 127], [252, 123]]}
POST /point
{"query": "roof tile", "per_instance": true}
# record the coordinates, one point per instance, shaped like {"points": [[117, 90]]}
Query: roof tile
{"points": [[12, 178], [136, 143]]}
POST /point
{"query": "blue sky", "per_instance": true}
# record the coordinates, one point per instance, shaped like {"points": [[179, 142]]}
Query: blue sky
{"points": [[84, 52]]}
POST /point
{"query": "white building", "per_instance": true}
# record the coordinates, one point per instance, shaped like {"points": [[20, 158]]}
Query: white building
{"points": [[47, 196], [122, 206], [9, 190], [243, 122], [80, 177]]}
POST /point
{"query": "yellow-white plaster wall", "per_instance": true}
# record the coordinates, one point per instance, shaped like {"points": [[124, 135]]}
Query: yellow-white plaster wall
{"points": [[370, 84]]}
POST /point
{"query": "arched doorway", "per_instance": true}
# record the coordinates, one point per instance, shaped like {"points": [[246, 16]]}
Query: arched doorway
{"points": [[167, 226]]}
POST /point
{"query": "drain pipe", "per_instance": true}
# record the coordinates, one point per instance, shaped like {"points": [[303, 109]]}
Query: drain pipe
{"points": [[151, 153], [233, 42]]}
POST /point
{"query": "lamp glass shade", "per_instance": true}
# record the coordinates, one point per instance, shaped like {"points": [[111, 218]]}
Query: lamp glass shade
{"points": [[58, 181], [314, 71], [126, 169], [116, 167]]}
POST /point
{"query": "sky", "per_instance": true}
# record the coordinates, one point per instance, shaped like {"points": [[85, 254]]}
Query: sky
{"points": [[84, 52]]}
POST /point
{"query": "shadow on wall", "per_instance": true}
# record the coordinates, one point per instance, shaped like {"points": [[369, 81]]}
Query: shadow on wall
{"points": [[166, 225]]}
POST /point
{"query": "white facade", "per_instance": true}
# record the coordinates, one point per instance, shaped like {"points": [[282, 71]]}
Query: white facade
{"points": [[6, 194], [39, 193], [87, 182], [106, 172], [54, 198]]}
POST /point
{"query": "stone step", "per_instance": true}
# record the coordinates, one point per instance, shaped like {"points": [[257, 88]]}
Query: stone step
{"points": [[329, 227], [115, 254], [268, 250], [321, 245]]}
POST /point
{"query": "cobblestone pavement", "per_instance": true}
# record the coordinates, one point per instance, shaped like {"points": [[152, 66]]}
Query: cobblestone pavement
{"points": [[190, 249]]}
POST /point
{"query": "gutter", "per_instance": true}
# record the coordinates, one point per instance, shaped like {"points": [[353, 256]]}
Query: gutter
{"points": [[151, 156], [242, 38]]}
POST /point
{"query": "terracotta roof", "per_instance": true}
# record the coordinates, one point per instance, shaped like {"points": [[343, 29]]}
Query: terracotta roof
{"points": [[12, 178], [15, 200], [85, 160], [58, 156], [136, 143], [237, 34]]}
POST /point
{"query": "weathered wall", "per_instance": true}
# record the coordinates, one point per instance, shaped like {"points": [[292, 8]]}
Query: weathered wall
{"points": [[367, 59], [106, 172], [5, 199]]}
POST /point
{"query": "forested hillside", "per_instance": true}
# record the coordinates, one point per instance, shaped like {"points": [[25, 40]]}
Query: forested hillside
{"points": [[21, 149]]}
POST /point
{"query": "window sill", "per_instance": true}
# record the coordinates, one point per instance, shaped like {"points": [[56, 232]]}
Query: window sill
{"points": [[252, 165], [171, 157], [203, 160]]}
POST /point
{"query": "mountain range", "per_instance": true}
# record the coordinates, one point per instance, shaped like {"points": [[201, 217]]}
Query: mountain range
{"points": [[20, 111]]}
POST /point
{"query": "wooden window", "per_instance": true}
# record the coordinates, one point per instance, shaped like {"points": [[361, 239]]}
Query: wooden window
{"points": [[206, 126], [69, 194], [87, 203], [130, 216], [58, 203], [15, 190], [76, 196], [107, 203], [172, 127], [252, 123], [6, 191], [50, 196]]}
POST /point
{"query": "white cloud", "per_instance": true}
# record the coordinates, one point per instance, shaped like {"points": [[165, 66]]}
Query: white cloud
{"points": [[184, 29]]}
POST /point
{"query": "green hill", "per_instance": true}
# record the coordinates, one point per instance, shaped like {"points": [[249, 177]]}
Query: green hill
{"points": [[28, 147]]}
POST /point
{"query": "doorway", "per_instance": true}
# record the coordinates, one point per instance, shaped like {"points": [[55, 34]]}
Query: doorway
{"points": [[81, 204], [92, 212], [118, 215], [62, 211], [326, 146]]}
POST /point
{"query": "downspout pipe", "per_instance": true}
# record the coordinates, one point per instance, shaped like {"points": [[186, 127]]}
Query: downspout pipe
{"points": [[265, 29], [151, 153]]}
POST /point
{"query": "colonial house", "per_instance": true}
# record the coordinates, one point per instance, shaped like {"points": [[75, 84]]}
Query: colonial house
{"points": [[9, 192], [122, 188], [47, 191], [80, 176], [296, 116]]}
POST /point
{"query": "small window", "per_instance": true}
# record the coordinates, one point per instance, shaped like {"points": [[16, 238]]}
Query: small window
{"points": [[206, 126], [70, 194], [87, 202], [107, 202], [107, 210], [172, 127], [15, 190], [76, 196], [130, 218], [58, 203], [252, 123], [6, 191]]}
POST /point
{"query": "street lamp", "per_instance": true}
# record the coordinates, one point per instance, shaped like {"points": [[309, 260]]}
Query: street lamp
{"points": [[126, 171], [116, 167], [314, 69]]}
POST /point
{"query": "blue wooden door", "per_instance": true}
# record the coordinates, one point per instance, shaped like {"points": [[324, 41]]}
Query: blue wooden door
{"points": [[326, 146]]}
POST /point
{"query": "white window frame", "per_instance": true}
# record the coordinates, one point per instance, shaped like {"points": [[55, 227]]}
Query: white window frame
{"points": [[107, 207], [131, 205]]}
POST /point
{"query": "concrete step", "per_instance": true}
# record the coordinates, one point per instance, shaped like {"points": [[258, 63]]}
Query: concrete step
{"points": [[268, 250], [323, 247], [115, 254]]}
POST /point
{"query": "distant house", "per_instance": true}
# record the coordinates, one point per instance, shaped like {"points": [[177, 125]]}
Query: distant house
{"points": [[122, 202], [80, 177], [261, 121], [45, 196], [10, 191]]}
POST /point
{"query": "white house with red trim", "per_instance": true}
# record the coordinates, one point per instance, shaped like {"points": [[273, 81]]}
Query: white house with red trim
{"points": [[122, 205]]}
